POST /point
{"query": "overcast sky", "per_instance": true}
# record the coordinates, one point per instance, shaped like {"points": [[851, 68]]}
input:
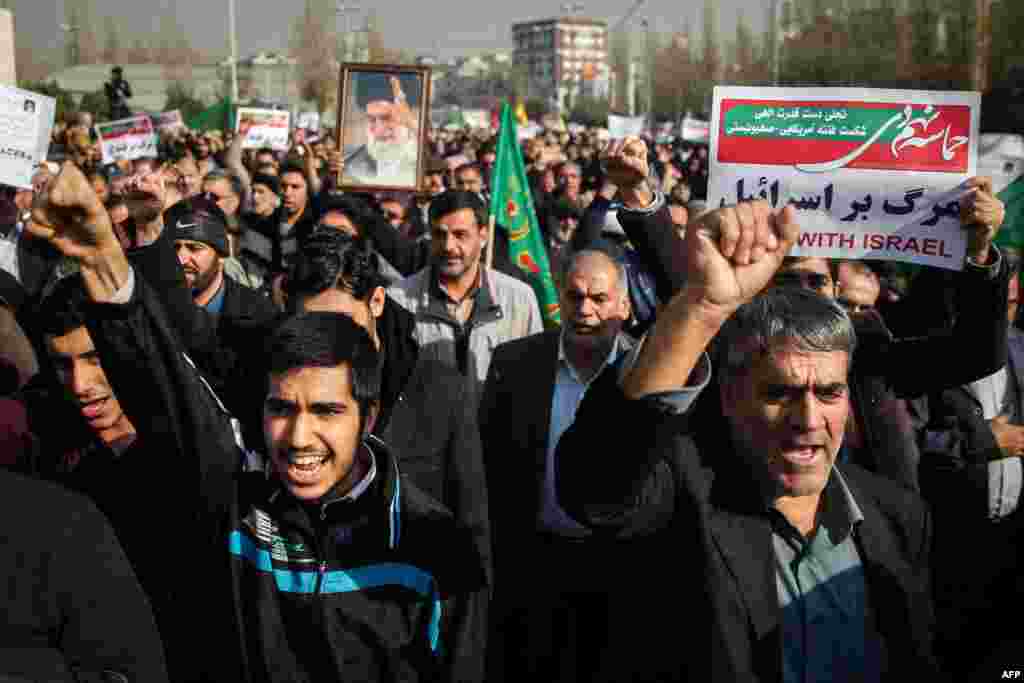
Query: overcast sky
{"points": [[455, 27]]}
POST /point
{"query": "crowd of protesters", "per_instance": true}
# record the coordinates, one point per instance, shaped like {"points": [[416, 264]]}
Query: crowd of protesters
{"points": [[260, 429]]}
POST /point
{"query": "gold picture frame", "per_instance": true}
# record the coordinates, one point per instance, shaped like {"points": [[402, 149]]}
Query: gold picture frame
{"points": [[383, 111]]}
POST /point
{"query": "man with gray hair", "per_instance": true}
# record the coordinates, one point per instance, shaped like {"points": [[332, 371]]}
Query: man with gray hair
{"points": [[795, 569], [541, 379]]}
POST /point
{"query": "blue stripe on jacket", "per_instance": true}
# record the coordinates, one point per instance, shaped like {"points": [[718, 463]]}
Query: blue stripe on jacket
{"points": [[345, 580]]}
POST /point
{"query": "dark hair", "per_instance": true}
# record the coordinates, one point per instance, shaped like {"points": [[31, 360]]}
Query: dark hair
{"points": [[451, 201], [470, 166], [234, 182], [63, 308], [326, 340], [266, 150], [781, 317], [294, 168], [332, 258]]}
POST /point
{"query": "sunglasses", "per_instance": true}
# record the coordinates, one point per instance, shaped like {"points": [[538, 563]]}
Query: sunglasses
{"points": [[815, 281]]}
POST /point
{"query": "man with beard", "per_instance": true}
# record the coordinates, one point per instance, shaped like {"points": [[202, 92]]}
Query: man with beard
{"points": [[326, 564], [392, 131], [464, 310], [200, 235], [542, 379]]}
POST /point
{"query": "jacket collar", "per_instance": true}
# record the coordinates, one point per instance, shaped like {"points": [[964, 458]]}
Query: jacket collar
{"points": [[371, 509]]}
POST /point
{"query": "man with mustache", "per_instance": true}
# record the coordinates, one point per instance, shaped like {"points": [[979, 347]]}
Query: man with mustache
{"points": [[542, 379], [325, 565], [200, 236], [463, 309], [392, 131]]}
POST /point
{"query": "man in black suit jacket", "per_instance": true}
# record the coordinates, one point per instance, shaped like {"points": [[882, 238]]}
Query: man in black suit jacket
{"points": [[532, 390], [787, 568]]}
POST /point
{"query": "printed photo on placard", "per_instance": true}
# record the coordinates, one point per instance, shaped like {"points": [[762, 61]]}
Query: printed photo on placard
{"points": [[382, 121]]}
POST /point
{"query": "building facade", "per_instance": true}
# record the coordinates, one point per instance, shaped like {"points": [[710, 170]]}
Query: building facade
{"points": [[563, 58]]}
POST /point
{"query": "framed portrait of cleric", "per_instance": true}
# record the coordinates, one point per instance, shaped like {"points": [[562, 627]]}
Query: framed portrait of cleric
{"points": [[382, 122]]}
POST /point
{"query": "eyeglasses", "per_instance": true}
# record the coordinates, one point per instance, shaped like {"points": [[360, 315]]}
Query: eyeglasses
{"points": [[391, 216]]}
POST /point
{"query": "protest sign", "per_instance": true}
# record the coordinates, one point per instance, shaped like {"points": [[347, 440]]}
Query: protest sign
{"points": [[874, 174], [263, 128], [127, 139], [309, 120], [477, 118], [25, 123], [694, 130], [621, 126], [168, 120]]}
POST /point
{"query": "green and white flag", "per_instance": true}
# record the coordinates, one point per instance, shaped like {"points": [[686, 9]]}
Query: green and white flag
{"points": [[512, 207]]}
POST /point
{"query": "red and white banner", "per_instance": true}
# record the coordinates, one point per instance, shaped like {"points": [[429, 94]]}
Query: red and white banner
{"points": [[874, 173], [127, 139]]}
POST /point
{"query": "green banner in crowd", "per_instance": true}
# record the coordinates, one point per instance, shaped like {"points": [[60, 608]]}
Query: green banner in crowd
{"points": [[1012, 232], [512, 207], [217, 117]]}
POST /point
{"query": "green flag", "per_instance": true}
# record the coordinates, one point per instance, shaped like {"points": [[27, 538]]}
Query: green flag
{"points": [[512, 207], [1011, 234], [217, 117]]}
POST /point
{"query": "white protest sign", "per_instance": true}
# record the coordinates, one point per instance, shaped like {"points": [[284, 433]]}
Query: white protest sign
{"points": [[309, 120], [476, 118], [874, 174], [1001, 158], [127, 139], [170, 120], [26, 120], [621, 126], [694, 130], [263, 128]]}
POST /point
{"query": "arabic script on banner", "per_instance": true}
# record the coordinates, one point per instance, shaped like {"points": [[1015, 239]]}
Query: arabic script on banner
{"points": [[127, 139], [873, 173]]}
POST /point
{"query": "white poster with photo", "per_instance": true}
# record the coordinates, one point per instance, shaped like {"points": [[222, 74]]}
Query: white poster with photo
{"points": [[26, 120], [309, 120], [874, 174], [694, 130], [622, 126], [263, 128], [127, 139], [169, 120]]}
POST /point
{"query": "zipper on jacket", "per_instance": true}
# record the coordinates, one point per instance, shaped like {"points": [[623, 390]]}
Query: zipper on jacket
{"points": [[321, 570]]}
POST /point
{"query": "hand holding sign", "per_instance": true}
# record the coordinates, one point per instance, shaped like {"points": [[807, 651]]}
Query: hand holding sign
{"points": [[982, 214]]}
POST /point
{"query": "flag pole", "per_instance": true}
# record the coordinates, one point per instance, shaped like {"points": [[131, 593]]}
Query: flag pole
{"points": [[490, 241]]}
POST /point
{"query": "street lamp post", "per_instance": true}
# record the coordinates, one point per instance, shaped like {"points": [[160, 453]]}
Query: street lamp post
{"points": [[345, 10], [233, 38], [70, 31], [650, 70]]}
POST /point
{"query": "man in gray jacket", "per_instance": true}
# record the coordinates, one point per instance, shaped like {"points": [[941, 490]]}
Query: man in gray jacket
{"points": [[464, 310]]}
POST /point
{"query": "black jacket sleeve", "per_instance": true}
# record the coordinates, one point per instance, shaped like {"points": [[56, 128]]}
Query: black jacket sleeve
{"points": [[108, 624], [164, 394], [621, 482], [975, 347], [657, 242], [406, 255], [592, 223]]}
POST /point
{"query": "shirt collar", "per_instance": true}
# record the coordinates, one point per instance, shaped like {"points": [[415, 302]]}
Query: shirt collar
{"points": [[437, 292], [841, 513], [563, 360], [215, 304]]}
